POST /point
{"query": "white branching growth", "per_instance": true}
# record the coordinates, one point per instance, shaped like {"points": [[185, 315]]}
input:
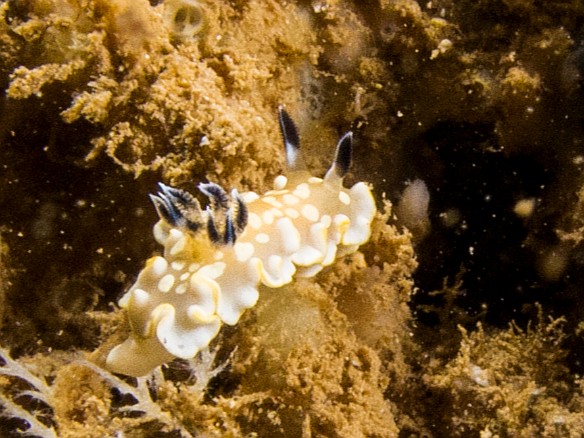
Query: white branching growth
{"points": [[27, 399], [201, 368], [18, 405], [141, 394]]}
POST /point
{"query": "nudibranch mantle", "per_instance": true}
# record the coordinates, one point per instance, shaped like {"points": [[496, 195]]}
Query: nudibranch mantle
{"points": [[214, 260]]}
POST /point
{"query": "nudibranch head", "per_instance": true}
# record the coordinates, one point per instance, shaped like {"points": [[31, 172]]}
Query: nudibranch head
{"points": [[215, 259]]}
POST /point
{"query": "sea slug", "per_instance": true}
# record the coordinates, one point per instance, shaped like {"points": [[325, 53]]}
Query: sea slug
{"points": [[215, 259]]}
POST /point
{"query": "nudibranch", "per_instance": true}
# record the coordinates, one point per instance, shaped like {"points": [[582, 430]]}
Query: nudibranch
{"points": [[214, 260]]}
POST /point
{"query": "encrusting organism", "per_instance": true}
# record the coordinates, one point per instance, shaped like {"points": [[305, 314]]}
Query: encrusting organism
{"points": [[184, 18], [215, 259]]}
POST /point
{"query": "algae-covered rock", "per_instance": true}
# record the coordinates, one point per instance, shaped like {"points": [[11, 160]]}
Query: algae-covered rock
{"points": [[510, 383], [478, 101]]}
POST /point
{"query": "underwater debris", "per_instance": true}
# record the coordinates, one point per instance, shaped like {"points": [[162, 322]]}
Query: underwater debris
{"points": [[412, 209], [209, 277]]}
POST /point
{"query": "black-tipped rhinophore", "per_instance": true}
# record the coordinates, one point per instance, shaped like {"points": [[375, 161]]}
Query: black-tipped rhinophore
{"points": [[344, 154], [343, 158], [291, 139]]}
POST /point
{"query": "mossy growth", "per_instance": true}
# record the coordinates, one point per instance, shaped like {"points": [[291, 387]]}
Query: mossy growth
{"points": [[510, 382], [102, 100]]}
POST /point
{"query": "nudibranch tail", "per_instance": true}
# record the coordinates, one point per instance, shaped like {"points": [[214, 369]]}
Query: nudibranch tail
{"points": [[215, 260]]}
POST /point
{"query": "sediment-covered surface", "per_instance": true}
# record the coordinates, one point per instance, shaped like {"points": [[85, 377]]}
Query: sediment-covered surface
{"points": [[470, 325]]}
